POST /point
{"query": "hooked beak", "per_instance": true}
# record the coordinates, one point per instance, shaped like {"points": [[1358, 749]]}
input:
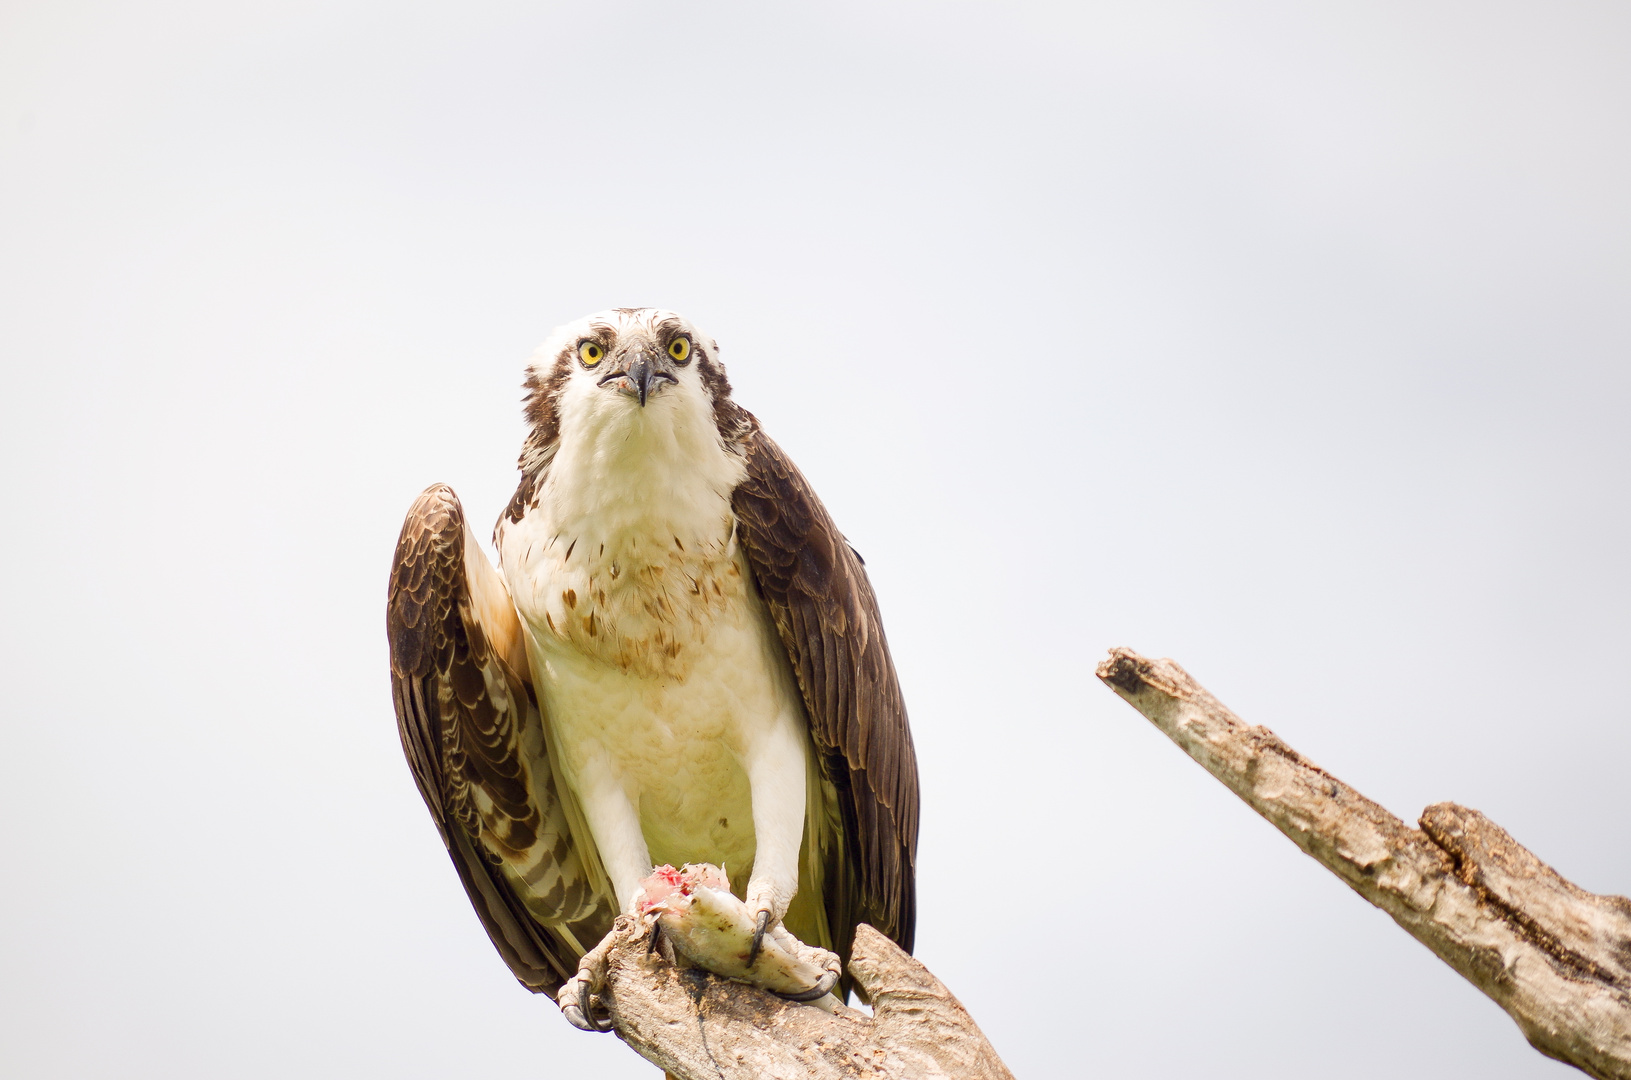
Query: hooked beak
{"points": [[641, 376]]}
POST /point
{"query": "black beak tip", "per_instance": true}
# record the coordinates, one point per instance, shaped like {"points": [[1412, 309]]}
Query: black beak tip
{"points": [[639, 380], [641, 374]]}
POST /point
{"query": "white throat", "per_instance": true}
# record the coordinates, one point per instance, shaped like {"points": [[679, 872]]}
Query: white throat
{"points": [[626, 474], [630, 550]]}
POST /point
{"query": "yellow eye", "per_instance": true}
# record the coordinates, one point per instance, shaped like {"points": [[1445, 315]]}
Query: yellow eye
{"points": [[679, 349], [590, 353]]}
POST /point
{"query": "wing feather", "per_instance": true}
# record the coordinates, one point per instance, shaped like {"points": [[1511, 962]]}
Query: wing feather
{"points": [[827, 615], [473, 738]]}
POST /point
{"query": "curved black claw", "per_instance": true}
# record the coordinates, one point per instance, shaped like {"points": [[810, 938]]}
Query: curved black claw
{"points": [[758, 937], [581, 1015], [656, 936], [588, 1010], [820, 990]]}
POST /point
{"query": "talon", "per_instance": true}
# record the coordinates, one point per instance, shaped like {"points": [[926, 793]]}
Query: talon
{"points": [[758, 937], [588, 1010], [578, 1009], [656, 936], [574, 1016], [576, 997], [820, 990]]}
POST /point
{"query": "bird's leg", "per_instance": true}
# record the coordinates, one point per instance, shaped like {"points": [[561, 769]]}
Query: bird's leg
{"points": [[615, 824], [576, 998], [777, 773], [577, 995], [776, 768]]}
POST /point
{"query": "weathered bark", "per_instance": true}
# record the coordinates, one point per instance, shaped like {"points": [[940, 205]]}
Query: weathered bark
{"points": [[696, 1025], [1555, 957]]}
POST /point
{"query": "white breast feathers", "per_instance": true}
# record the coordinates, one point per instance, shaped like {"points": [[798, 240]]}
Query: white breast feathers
{"points": [[628, 554]]}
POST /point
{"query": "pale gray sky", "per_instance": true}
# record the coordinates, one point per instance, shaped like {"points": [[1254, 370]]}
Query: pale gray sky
{"points": [[1292, 341]]}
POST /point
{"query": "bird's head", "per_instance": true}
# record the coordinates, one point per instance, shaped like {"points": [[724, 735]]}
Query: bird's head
{"points": [[625, 371]]}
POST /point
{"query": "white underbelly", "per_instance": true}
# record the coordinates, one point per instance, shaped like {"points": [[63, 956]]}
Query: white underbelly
{"points": [[679, 749]]}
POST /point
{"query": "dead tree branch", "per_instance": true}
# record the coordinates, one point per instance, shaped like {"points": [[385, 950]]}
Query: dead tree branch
{"points": [[699, 1026], [1555, 957]]}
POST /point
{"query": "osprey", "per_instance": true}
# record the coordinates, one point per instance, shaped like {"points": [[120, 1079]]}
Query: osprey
{"points": [[678, 660]]}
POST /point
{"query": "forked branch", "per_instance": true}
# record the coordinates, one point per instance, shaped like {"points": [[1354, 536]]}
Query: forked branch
{"points": [[1555, 957]]}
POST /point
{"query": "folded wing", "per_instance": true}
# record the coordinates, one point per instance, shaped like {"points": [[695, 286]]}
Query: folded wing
{"points": [[474, 739], [827, 617]]}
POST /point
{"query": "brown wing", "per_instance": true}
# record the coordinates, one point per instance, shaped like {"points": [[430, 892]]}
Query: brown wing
{"points": [[827, 615], [474, 740]]}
